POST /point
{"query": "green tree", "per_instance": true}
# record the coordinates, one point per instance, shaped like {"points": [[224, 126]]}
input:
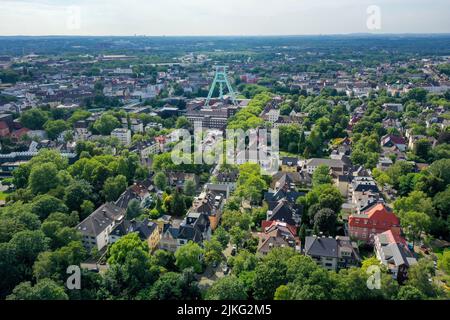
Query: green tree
{"points": [[325, 221], [213, 252], [43, 177], [174, 286], [222, 236], [242, 262], [59, 235], [414, 223], [131, 267], [408, 292], [189, 187], [239, 236], [227, 288], [321, 175], [165, 259], [231, 218], [17, 217], [11, 271], [44, 205], [325, 196], [183, 122], [160, 180], [417, 94], [283, 292], [351, 284], [113, 187], [271, 273], [76, 193], [27, 245], [134, 209], [441, 201], [86, 208], [34, 119], [444, 262], [419, 275], [414, 201], [189, 255], [54, 128], [178, 205], [46, 289], [422, 148], [106, 124], [53, 264]]}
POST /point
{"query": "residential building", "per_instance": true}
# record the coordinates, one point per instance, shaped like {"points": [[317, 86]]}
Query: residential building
{"points": [[195, 227], [278, 235], [395, 107], [148, 231], [332, 253], [228, 178], [392, 251], [140, 191], [95, 229], [289, 164], [124, 135], [377, 219], [272, 115], [337, 166], [390, 140], [211, 204], [177, 179], [290, 180], [283, 211]]}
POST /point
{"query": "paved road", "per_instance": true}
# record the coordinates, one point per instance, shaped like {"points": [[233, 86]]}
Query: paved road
{"points": [[207, 278]]}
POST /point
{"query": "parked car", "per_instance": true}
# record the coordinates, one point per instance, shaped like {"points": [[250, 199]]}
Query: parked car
{"points": [[225, 269], [233, 251]]}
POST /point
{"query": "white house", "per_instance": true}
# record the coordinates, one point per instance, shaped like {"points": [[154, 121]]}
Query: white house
{"points": [[124, 135], [95, 229]]}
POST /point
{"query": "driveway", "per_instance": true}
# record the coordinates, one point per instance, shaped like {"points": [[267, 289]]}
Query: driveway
{"points": [[211, 275]]}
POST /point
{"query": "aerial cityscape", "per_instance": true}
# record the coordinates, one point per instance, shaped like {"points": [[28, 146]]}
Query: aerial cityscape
{"points": [[228, 167]]}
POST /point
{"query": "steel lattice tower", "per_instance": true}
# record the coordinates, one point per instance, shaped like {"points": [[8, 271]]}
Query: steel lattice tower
{"points": [[221, 78]]}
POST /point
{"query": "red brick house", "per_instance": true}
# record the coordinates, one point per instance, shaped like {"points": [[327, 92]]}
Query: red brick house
{"points": [[376, 219], [16, 135], [4, 129], [276, 235]]}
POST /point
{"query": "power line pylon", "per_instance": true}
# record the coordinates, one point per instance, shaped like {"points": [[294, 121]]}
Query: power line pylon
{"points": [[221, 78]]}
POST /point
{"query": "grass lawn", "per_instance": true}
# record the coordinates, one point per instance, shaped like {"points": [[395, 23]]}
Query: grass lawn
{"points": [[4, 194]]}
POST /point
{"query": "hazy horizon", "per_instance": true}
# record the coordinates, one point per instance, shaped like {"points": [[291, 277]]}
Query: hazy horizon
{"points": [[233, 18], [228, 35]]}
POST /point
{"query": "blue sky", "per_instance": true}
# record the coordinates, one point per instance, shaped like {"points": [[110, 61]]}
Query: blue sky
{"points": [[211, 17]]}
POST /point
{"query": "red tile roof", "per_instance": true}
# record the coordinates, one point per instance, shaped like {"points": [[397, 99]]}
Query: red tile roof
{"points": [[376, 219]]}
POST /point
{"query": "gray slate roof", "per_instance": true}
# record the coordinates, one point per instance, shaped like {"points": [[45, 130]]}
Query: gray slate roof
{"points": [[323, 247], [100, 219]]}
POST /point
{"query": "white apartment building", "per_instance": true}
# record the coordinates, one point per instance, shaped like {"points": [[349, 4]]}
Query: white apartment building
{"points": [[124, 135]]}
